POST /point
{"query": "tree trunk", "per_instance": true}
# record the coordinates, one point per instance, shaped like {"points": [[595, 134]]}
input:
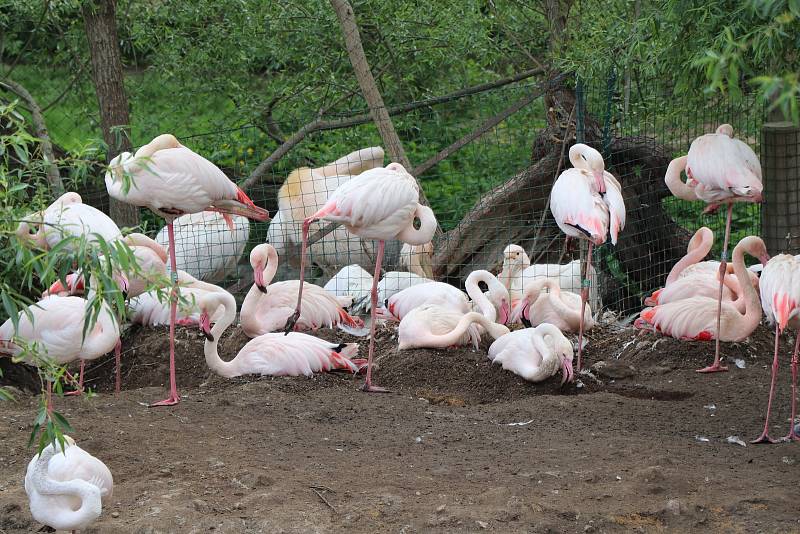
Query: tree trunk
{"points": [[100, 22]]}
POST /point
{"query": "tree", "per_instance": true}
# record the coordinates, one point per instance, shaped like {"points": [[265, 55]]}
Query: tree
{"points": [[101, 32]]}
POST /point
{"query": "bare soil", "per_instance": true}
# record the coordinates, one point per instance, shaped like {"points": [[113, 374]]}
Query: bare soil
{"points": [[458, 445]]}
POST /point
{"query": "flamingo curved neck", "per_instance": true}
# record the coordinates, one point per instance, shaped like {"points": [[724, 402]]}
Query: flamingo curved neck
{"points": [[479, 297], [210, 348], [674, 182], [454, 336], [63, 516], [427, 227], [575, 157], [696, 252], [752, 302]]}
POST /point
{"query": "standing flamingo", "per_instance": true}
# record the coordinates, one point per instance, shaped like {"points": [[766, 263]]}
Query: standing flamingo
{"points": [[695, 318], [438, 327], [267, 306], [270, 354], [171, 180], [67, 489], [559, 308], [586, 202], [56, 324], [535, 354], [780, 298], [721, 170], [377, 204]]}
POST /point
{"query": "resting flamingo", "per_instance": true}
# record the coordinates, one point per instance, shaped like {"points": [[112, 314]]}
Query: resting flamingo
{"points": [[67, 217], [559, 308], [67, 488], [398, 305], [171, 180], [267, 306], [392, 283], [204, 246], [535, 354], [147, 309], [273, 354], [352, 282], [437, 327], [378, 204], [495, 303], [586, 202], [780, 298], [56, 324], [721, 170], [695, 318]]}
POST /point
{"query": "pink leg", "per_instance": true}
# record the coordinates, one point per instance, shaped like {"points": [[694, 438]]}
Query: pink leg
{"points": [[723, 265], [584, 298], [292, 320], [374, 295], [78, 391], [764, 437], [118, 360], [792, 436], [173, 398]]}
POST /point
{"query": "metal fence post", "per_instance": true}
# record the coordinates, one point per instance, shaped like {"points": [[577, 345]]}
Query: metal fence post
{"points": [[780, 212]]}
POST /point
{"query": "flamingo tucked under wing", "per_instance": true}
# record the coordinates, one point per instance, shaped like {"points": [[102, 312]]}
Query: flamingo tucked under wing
{"points": [[559, 308], [535, 354], [435, 326]]}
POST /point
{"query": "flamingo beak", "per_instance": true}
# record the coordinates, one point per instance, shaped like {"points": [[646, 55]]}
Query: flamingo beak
{"points": [[205, 326], [258, 279], [504, 313], [122, 282], [764, 258], [601, 182], [566, 371]]}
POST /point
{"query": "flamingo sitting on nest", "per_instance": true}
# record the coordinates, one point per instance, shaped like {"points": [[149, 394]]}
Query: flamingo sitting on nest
{"points": [[535, 354], [437, 327], [559, 308]]}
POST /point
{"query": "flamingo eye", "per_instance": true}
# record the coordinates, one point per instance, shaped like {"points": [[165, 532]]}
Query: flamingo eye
{"points": [[584, 157]]}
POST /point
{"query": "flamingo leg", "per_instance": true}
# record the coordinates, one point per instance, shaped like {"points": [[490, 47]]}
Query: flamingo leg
{"points": [[764, 437], [173, 398], [118, 361], [723, 265], [584, 297], [78, 391], [292, 320], [374, 296], [792, 436]]}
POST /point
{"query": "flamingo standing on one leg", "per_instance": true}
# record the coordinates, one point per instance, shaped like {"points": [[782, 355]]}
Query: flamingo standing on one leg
{"points": [[721, 170], [377, 204], [780, 298], [586, 202], [171, 180]]}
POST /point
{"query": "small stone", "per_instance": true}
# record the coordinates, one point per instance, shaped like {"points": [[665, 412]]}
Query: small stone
{"points": [[200, 505], [238, 506], [165, 472], [441, 508], [483, 524], [115, 514], [590, 528], [673, 507]]}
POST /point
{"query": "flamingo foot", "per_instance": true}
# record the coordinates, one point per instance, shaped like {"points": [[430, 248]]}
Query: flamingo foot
{"points": [[369, 388], [291, 322], [764, 439], [171, 401], [74, 393], [715, 367], [792, 436]]}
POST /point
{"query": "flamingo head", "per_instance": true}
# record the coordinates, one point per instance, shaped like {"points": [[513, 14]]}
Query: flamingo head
{"points": [[520, 311], [725, 129], [505, 311], [259, 257], [588, 159], [565, 354], [205, 325], [73, 285]]}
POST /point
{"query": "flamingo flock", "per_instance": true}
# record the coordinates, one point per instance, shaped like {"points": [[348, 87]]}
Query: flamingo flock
{"points": [[376, 205]]}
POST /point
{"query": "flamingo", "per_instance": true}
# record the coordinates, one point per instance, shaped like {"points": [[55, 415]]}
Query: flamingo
{"points": [[494, 304], [436, 327], [351, 282], [721, 170], [397, 306], [378, 204], [695, 318], [171, 180], [267, 306], [67, 487], [67, 217], [392, 283], [56, 325], [204, 248], [535, 354], [559, 308], [303, 193], [517, 272], [147, 309], [586, 202], [780, 298], [273, 354]]}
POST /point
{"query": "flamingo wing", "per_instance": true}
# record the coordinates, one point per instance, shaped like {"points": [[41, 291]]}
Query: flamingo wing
{"points": [[292, 355], [577, 210], [780, 289]]}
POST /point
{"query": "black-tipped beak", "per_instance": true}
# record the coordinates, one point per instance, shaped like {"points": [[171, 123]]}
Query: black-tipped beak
{"points": [[261, 288], [209, 336]]}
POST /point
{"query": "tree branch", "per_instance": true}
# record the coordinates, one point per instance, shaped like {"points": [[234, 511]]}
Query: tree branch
{"points": [[40, 128]]}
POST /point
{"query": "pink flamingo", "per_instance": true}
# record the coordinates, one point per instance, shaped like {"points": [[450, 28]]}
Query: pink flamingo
{"points": [[379, 204], [780, 298], [438, 327], [535, 354], [267, 306], [271, 354], [171, 180], [721, 170], [398, 305], [695, 318], [559, 308], [495, 303], [586, 202], [147, 309], [56, 324]]}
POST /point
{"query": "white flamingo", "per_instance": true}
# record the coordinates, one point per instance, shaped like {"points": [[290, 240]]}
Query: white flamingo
{"points": [[560, 308], [535, 354], [437, 327], [495, 303], [67, 489], [398, 305], [586, 202], [273, 354], [171, 180], [392, 283], [147, 309]]}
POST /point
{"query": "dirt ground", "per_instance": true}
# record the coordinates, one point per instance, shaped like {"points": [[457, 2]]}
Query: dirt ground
{"points": [[458, 446]]}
